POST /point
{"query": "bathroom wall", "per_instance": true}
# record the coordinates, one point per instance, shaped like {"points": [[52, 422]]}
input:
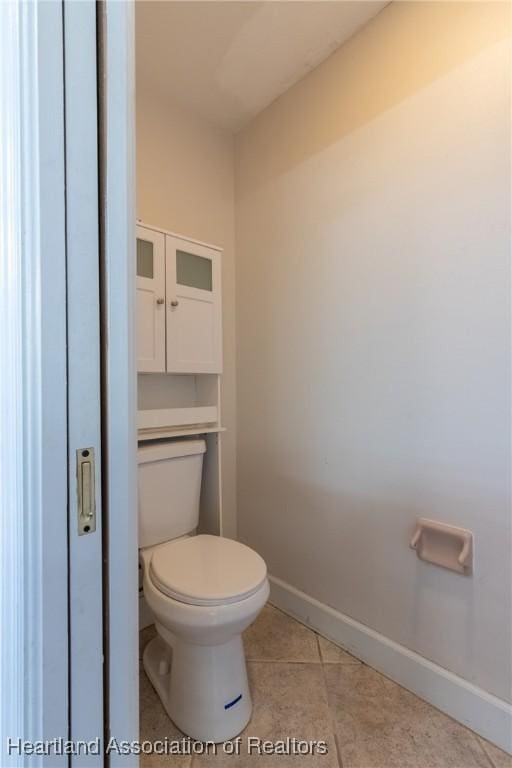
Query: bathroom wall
{"points": [[373, 347], [185, 184]]}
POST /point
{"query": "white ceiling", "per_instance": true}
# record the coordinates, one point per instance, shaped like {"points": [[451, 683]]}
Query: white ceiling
{"points": [[226, 61]]}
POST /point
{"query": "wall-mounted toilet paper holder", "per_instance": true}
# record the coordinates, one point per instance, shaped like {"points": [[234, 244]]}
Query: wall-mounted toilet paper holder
{"points": [[446, 545]]}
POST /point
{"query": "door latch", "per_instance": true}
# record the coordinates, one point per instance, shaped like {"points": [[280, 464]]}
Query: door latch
{"points": [[86, 495]]}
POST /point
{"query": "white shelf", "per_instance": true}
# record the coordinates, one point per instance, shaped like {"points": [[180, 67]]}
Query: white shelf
{"points": [[177, 418], [156, 434]]}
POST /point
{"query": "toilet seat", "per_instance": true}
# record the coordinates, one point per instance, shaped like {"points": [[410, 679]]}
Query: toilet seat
{"points": [[207, 570]]}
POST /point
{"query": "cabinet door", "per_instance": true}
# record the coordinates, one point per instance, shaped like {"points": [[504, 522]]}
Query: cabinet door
{"points": [[150, 301], [194, 331]]}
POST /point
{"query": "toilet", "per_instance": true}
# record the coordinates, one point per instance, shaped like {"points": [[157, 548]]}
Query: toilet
{"points": [[203, 590]]}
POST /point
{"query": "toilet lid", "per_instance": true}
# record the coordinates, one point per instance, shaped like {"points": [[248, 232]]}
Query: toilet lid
{"points": [[207, 570]]}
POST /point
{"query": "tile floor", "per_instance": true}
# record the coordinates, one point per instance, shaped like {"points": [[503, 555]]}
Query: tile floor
{"points": [[305, 687]]}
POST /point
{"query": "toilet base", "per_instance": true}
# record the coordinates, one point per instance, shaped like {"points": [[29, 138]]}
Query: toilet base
{"points": [[203, 688]]}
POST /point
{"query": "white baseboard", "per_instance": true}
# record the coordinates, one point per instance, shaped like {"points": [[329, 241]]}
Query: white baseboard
{"points": [[484, 713]]}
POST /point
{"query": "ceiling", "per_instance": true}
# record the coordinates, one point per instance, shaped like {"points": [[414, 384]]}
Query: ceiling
{"points": [[226, 61]]}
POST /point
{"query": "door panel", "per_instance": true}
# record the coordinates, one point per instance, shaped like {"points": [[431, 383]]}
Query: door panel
{"points": [[146, 331], [83, 363], [150, 301], [194, 331]]}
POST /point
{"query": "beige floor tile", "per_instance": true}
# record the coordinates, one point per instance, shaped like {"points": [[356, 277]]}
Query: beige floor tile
{"points": [[498, 758], [381, 725], [154, 724], [274, 636], [333, 654], [289, 701], [378, 723]]}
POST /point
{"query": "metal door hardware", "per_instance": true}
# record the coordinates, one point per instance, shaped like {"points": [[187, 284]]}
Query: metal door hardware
{"points": [[86, 496]]}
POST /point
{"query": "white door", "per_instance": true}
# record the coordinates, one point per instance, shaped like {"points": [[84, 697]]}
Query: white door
{"points": [[34, 673], [194, 329], [86, 720], [52, 638], [150, 301]]}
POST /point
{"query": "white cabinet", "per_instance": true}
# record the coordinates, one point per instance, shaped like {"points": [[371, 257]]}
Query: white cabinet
{"points": [[179, 351], [194, 339], [179, 322], [150, 301]]}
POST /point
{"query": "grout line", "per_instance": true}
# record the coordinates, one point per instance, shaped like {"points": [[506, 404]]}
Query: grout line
{"points": [[319, 648], [306, 661], [317, 638], [283, 661], [338, 750], [489, 758], [302, 623], [331, 714]]}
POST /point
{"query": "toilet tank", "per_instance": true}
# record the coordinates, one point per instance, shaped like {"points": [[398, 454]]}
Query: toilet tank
{"points": [[169, 489]]}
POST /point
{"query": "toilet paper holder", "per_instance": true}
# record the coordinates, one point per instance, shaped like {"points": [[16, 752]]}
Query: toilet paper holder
{"points": [[446, 545]]}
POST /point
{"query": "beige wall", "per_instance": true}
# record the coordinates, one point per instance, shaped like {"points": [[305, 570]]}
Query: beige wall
{"points": [[185, 184], [373, 350]]}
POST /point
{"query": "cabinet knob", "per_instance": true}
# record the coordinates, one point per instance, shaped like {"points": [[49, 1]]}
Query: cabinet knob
{"points": [[174, 303], [160, 301]]}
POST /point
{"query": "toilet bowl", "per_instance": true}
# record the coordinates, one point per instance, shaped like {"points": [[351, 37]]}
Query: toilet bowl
{"points": [[204, 592]]}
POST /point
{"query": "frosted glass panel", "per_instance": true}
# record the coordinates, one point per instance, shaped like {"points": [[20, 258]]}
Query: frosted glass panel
{"points": [[194, 271], [144, 258]]}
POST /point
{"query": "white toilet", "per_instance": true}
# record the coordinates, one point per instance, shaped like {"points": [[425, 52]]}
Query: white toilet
{"points": [[204, 592]]}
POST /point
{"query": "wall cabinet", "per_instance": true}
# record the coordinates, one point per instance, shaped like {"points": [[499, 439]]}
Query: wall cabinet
{"points": [[179, 351], [179, 312]]}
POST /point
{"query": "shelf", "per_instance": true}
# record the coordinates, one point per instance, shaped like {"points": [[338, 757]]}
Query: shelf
{"points": [[176, 418], [157, 434]]}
